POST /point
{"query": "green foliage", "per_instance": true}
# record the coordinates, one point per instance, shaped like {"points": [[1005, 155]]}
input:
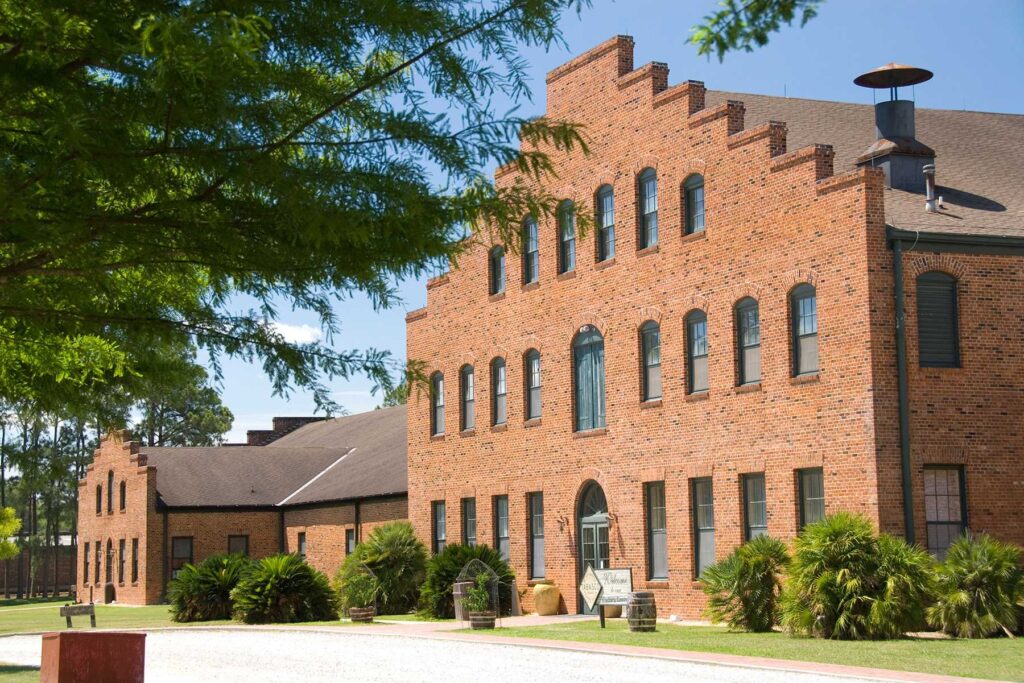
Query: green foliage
{"points": [[746, 24], [203, 592], [10, 524], [443, 570], [979, 588], [397, 560], [743, 589], [163, 163], [283, 589], [847, 582], [478, 598], [359, 590]]}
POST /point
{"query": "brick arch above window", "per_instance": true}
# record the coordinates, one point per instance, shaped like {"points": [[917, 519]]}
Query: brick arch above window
{"points": [[943, 263], [646, 313], [697, 301], [689, 167], [644, 163], [606, 178], [745, 290], [801, 276], [591, 319], [530, 341]]}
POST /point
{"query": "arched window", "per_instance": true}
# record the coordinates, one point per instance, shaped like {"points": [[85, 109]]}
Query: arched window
{"points": [[110, 491], [588, 378], [496, 268], [938, 336], [531, 375], [566, 237], [531, 251], [436, 404], [647, 191], [693, 199], [748, 341], [110, 561], [99, 499], [650, 351], [124, 495], [803, 311], [604, 204], [467, 393], [697, 352], [499, 392]]}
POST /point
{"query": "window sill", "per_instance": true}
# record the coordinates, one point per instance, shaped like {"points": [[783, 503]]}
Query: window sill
{"points": [[652, 403], [535, 422], [806, 379], [698, 396], [653, 249], [530, 286], [496, 297], [539, 582], [607, 263], [695, 236], [468, 432], [566, 276], [437, 437], [500, 428], [600, 431], [657, 584], [748, 388]]}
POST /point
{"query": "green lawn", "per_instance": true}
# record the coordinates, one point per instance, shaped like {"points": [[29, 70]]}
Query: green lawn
{"points": [[28, 602], [46, 617], [408, 617], [996, 658], [10, 673]]}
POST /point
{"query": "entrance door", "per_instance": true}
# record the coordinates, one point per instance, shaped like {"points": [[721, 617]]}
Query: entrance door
{"points": [[593, 535]]}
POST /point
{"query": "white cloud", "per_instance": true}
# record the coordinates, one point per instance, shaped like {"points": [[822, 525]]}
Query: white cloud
{"points": [[298, 334]]}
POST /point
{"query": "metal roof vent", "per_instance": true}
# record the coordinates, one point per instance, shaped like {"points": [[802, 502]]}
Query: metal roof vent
{"points": [[896, 150]]}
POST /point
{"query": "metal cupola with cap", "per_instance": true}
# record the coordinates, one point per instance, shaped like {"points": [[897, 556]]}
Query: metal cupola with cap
{"points": [[896, 150]]}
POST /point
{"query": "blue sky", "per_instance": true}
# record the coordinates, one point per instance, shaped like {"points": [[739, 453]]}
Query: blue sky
{"points": [[974, 48]]}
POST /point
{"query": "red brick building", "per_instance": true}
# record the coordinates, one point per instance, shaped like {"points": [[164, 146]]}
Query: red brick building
{"points": [[764, 325], [315, 487]]}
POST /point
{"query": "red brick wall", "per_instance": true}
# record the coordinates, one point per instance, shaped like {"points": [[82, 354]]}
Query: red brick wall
{"points": [[774, 220]]}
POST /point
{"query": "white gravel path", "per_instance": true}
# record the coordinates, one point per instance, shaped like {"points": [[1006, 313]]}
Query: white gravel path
{"points": [[309, 657]]}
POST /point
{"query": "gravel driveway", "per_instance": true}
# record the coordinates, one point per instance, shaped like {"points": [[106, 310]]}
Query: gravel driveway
{"points": [[308, 657]]}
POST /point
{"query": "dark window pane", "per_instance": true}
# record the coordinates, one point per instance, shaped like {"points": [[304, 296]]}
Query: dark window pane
{"points": [[694, 199], [697, 351], [812, 496], [468, 390], [657, 534], [566, 237], [497, 270], [531, 251], [440, 535], [499, 389], [748, 335], [650, 335], [536, 535], [755, 505], [704, 516], [532, 374], [501, 526], [437, 399], [804, 311], [938, 336], [648, 187], [944, 507], [238, 545], [588, 377], [605, 223], [469, 521]]}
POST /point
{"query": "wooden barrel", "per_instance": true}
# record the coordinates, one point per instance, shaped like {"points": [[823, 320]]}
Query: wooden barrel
{"points": [[641, 611]]}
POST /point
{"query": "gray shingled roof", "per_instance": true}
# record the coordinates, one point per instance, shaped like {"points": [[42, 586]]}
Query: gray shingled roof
{"points": [[979, 158], [338, 459]]}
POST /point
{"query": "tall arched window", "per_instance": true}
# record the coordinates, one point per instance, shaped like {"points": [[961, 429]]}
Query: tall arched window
{"points": [[531, 375], [588, 378], [499, 392], [938, 336], [566, 237], [604, 203], [748, 341], [531, 251], [110, 561], [110, 491], [647, 191], [693, 198], [124, 495], [697, 352], [99, 500], [467, 392], [650, 352], [496, 270], [803, 312], [436, 404]]}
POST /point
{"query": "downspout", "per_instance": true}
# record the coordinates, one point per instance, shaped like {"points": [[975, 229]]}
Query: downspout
{"points": [[904, 394], [359, 530], [280, 531], [165, 553]]}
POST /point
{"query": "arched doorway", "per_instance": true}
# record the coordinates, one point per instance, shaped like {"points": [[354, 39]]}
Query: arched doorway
{"points": [[592, 532]]}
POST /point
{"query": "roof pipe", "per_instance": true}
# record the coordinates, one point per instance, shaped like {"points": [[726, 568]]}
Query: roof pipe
{"points": [[929, 188], [903, 393]]}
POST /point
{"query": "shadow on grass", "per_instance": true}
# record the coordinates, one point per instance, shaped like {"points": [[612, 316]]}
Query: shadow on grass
{"points": [[18, 602], [12, 673]]}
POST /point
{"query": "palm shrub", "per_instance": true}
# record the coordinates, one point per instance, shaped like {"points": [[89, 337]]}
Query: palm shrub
{"points": [[443, 571], [978, 588], [284, 589], [203, 592], [397, 560], [743, 589], [847, 582]]}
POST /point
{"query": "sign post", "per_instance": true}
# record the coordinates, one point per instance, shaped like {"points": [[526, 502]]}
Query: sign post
{"points": [[602, 587]]}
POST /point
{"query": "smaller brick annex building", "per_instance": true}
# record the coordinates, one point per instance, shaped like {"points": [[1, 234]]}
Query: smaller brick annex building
{"points": [[313, 487]]}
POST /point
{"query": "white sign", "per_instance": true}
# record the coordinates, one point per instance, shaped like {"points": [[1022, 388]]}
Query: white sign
{"points": [[590, 588], [616, 585]]}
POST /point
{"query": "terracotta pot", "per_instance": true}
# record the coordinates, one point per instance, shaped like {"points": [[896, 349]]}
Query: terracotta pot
{"points": [[545, 599], [362, 614], [613, 611], [481, 620]]}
